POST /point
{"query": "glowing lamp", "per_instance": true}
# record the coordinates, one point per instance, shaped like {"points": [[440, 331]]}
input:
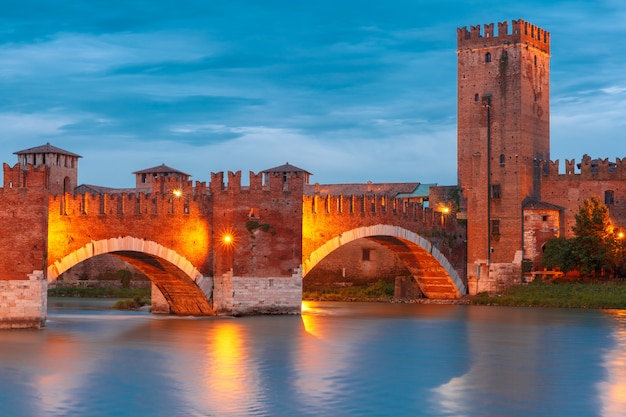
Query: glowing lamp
{"points": [[228, 239], [177, 193]]}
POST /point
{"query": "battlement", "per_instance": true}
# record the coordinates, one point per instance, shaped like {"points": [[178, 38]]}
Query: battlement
{"points": [[128, 204], [522, 32], [275, 183], [592, 169], [25, 176]]}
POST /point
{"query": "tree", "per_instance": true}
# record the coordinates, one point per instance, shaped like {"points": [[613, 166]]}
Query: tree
{"points": [[557, 253], [594, 248]]}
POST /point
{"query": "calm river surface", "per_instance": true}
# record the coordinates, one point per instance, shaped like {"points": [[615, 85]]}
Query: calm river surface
{"points": [[337, 359]]}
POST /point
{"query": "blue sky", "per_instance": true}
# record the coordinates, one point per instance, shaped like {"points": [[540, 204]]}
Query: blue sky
{"points": [[352, 91]]}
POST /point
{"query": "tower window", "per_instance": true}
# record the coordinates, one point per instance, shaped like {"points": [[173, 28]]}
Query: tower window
{"points": [[495, 226], [496, 191], [476, 97], [505, 55], [502, 159], [365, 255], [535, 60], [609, 197], [488, 57]]}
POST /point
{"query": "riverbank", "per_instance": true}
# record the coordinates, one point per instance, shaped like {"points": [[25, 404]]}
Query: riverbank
{"points": [[100, 292], [601, 295], [130, 298], [579, 294]]}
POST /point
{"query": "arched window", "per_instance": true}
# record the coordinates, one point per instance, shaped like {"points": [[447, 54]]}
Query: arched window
{"points": [[488, 57], [502, 159], [609, 197]]}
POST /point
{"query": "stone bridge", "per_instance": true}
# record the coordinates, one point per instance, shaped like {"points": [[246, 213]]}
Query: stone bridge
{"points": [[220, 248], [428, 241]]}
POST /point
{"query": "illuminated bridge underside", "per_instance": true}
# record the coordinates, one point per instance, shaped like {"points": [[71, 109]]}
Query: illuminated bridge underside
{"points": [[433, 272], [177, 279]]}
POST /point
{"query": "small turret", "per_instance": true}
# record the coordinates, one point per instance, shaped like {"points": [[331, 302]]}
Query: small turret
{"points": [[62, 166], [160, 179]]}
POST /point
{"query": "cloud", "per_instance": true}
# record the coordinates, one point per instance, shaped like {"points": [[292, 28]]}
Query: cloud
{"points": [[352, 91]]}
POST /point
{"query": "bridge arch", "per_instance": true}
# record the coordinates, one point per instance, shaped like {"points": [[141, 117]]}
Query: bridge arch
{"points": [[186, 290], [434, 274]]}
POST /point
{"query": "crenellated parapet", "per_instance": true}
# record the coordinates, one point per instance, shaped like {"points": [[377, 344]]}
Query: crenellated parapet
{"points": [[521, 32], [586, 169], [273, 183], [347, 209], [128, 204], [25, 176]]}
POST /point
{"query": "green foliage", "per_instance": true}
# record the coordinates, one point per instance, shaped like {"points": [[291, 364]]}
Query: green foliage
{"points": [[557, 254], [131, 304], [252, 225], [554, 294], [381, 290], [125, 277], [596, 248], [99, 292]]}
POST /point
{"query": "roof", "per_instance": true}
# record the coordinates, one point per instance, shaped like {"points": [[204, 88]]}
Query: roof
{"points": [[97, 189], [540, 205], [421, 191], [388, 188], [286, 168], [160, 169], [47, 148]]}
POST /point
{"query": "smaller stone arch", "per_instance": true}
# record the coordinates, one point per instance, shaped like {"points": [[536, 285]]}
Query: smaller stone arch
{"points": [[404, 243], [183, 286]]}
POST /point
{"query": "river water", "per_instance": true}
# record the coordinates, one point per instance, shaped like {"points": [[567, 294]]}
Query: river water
{"points": [[337, 359]]}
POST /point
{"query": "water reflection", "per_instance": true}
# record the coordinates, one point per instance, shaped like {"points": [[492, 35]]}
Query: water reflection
{"points": [[612, 391], [337, 359], [527, 360]]}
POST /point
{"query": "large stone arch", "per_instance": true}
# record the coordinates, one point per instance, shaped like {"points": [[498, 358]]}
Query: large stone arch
{"points": [[434, 274], [186, 290]]}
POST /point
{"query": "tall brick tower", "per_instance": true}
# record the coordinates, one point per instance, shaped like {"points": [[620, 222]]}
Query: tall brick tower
{"points": [[503, 135]]}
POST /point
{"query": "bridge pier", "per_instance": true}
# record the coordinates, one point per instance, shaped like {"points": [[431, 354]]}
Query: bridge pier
{"points": [[24, 303], [245, 296]]}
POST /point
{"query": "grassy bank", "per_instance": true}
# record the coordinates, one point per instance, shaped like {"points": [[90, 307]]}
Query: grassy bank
{"points": [[381, 291], [99, 292], [559, 294], [132, 303]]}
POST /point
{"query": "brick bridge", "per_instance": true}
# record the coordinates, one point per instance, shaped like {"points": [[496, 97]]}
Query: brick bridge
{"points": [[220, 248]]}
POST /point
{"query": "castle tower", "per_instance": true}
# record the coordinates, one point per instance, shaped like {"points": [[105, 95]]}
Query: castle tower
{"points": [[503, 135], [62, 166]]}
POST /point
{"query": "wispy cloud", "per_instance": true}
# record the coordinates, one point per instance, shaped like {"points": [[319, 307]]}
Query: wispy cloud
{"points": [[351, 91]]}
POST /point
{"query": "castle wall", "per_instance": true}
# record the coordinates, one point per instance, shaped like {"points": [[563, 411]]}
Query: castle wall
{"points": [[23, 227], [180, 224], [594, 178]]}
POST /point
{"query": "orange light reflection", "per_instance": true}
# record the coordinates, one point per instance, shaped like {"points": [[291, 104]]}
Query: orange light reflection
{"points": [[613, 389]]}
